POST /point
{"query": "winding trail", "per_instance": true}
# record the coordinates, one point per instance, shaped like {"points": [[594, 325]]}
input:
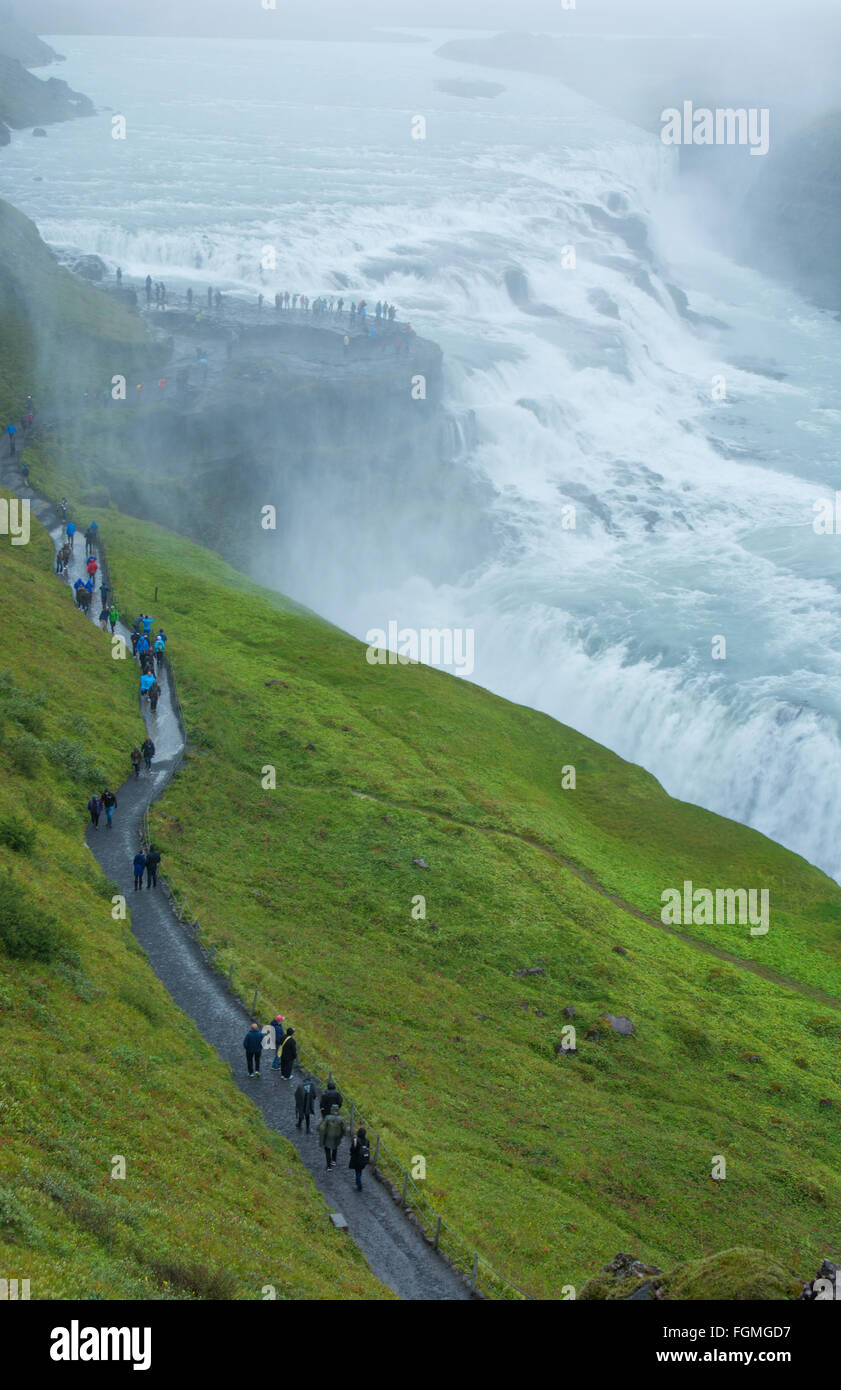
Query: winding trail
{"points": [[396, 1250]]}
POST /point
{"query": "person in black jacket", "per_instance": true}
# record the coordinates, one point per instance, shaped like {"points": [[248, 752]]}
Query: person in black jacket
{"points": [[360, 1156], [286, 1054], [332, 1096], [153, 859], [253, 1044], [304, 1102]]}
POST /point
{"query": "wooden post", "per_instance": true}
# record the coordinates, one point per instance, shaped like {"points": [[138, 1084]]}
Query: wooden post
{"points": [[405, 1185], [254, 1005], [437, 1234], [231, 977], [475, 1271], [156, 593], [352, 1113], [376, 1152]]}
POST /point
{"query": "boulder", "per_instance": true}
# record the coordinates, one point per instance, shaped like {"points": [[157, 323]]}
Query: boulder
{"points": [[568, 1012], [90, 267], [530, 970], [620, 950], [39, 131], [620, 1024], [420, 863]]}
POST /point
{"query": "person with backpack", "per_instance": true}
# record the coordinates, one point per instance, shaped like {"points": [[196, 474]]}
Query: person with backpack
{"points": [[153, 859], [62, 506], [304, 1102], [154, 696], [103, 619], [286, 1054], [92, 566], [142, 645], [95, 808], [135, 638], [331, 1132], [332, 1096], [253, 1044], [147, 748], [360, 1155], [113, 617], [139, 866], [147, 680], [160, 647], [70, 532], [136, 760], [109, 802]]}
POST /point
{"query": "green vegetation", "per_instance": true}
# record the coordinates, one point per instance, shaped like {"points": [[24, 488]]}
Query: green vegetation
{"points": [[548, 1163], [58, 334], [730, 1276], [97, 1060]]}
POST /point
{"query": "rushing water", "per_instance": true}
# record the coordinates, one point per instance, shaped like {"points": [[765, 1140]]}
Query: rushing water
{"points": [[693, 515]]}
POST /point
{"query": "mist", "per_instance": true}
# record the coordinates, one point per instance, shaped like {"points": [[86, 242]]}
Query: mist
{"points": [[620, 408]]}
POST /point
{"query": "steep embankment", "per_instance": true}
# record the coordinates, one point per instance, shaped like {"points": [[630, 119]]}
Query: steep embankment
{"points": [[56, 333], [546, 1162], [98, 1062]]}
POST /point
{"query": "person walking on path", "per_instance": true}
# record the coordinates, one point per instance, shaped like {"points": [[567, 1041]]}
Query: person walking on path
{"points": [[103, 619], [360, 1155], [153, 859], [136, 760], [70, 532], [253, 1044], [109, 802], [11, 431], [304, 1102], [332, 1096], [147, 625], [160, 648], [147, 680], [91, 536], [95, 808], [147, 748], [331, 1132], [113, 616], [139, 866], [286, 1054], [154, 696]]}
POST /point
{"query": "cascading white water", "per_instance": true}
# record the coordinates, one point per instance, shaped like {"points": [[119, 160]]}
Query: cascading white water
{"points": [[585, 386]]}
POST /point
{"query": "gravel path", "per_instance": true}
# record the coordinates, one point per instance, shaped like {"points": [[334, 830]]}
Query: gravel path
{"points": [[395, 1249]]}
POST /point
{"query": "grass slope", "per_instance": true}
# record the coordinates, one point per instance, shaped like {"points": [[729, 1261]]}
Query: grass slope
{"points": [[57, 334], [548, 1164], [97, 1061]]}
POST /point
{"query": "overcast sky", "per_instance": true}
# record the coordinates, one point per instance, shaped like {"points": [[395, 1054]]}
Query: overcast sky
{"points": [[249, 17]]}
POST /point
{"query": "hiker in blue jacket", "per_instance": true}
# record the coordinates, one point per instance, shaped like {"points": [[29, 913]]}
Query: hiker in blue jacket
{"points": [[11, 431], [139, 866], [147, 680], [147, 625], [70, 532], [142, 646], [253, 1044]]}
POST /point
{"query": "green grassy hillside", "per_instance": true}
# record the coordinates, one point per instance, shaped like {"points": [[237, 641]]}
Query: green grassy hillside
{"points": [[57, 334], [97, 1061], [549, 1164]]}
